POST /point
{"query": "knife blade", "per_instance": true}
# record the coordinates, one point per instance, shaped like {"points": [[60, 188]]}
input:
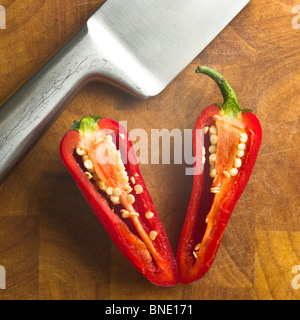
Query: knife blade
{"points": [[163, 37], [137, 45]]}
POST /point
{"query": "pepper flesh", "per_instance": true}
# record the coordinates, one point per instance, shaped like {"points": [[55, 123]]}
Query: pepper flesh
{"points": [[153, 257], [217, 185]]}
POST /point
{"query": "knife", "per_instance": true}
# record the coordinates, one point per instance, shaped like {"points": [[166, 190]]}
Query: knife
{"points": [[137, 45]]}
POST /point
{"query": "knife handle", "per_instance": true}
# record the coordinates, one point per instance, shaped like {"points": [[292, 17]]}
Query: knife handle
{"points": [[33, 108]]}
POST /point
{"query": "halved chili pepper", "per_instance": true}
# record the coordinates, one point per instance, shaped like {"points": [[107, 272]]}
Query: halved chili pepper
{"points": [[100, 157], [229, 138]]}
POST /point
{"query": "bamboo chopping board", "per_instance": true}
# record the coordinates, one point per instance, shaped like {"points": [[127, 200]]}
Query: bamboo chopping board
{"points": [[51, 244]]}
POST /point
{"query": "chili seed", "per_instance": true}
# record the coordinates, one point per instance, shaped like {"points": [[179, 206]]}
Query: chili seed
{"points": [[109, 191], [88, 175], [226, 174], [213, 139], [132, 179], [153, 234], [125, 214], [124, 180], [241, 146], [233, 172], [149, 215], [114, 199], [244, 137], [212, 157], [80, 151], [213, 129], [197, 246], [215, 190], [127, 188], [123, 174], [138, 189], [213, 173], [102, 185], [117, 192], [240, 153], [130, 198], [212, 148], [237, 162], [88, 164], [216, 117]]}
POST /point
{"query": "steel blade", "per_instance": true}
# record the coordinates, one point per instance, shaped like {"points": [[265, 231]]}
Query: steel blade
{"points": [[163, 36]]}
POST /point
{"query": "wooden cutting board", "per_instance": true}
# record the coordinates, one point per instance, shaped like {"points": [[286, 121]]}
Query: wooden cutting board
{"points": [[51, 244]]}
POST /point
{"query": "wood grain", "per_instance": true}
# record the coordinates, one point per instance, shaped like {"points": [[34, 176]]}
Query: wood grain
{"points": [[51, 244]]}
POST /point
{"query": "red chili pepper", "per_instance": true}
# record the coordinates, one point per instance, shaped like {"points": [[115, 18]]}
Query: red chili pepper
{"points": [[229, 138], [100, 157]]}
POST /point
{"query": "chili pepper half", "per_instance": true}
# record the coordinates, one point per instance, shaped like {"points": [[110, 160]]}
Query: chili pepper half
{"points": [[100, 157], [229, 138]]}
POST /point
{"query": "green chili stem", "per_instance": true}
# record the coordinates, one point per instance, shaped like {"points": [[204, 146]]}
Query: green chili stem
{"points": [[86, 124], [230, 107]]}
